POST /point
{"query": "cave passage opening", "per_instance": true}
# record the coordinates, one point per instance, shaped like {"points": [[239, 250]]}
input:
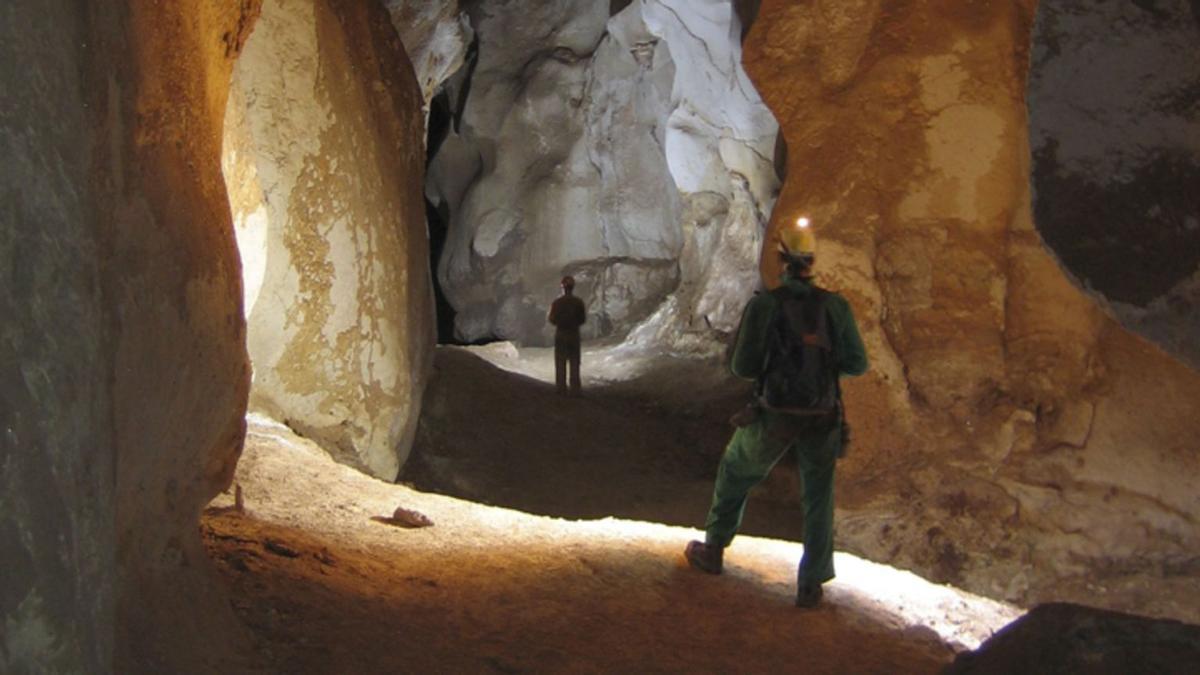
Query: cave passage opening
{"points": [[646, 112], [443, 119], [292, 166], [294, 163], [441, 116]]}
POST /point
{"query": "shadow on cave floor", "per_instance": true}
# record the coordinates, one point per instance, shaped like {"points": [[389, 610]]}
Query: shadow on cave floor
{"points": [[326, 587], [642, 443]]}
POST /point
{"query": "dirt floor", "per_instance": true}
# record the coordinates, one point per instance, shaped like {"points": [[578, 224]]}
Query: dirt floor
{"points": [[328, 582]]}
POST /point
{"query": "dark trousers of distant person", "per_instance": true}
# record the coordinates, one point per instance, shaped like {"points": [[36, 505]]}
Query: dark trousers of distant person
{"points": [[566, 353]]}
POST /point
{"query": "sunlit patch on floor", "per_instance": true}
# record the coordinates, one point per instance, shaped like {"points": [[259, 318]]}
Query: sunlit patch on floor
{"points": [[587, 584], [601, 363], [907, 601]]}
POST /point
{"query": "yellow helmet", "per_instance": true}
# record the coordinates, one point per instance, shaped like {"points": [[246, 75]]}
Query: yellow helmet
{"points": [[798, 241]]}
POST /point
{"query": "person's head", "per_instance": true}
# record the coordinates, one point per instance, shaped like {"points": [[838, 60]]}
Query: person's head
{"points": [[568, 284], [798, 248]]}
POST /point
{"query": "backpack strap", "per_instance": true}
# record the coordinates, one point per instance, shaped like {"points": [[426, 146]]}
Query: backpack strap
{"points": [[782, 296], [833, 345], [839, 408]]}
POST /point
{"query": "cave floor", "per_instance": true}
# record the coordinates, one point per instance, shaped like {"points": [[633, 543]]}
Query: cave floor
{"points": [[642, 442], [326, 584]]}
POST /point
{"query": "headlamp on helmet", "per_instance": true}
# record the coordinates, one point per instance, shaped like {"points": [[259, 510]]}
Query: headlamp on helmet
{"points": [[797, 242]]}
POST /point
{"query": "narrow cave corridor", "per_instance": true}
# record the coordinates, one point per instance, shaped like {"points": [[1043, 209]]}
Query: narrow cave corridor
{"points": [[440, 118], [278, 385], [437, 219]]}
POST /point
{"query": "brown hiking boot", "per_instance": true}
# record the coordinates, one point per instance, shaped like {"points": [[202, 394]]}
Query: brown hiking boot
{"points": [[703, 557], [809, 596]]}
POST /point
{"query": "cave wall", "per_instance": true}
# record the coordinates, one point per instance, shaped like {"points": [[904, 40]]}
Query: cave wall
{"points": [[1011, 437], [620, 149], [180, 369], [1114, 107], [57, 435], [324, 159], [435, 36], [125, 371]]}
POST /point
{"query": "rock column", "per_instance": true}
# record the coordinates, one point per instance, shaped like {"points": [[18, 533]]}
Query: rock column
{"points": [[324, 157]]}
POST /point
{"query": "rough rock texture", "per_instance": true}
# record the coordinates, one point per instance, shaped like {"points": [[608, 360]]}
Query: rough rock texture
{"points": [[629, 151], [324, 160], [1070, 639], [1010, 437], [1114, 107], [435, 36], [57, 435], [124, 367]]}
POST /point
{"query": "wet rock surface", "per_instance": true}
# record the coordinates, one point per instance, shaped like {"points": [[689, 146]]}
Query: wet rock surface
{"points": [[1114, 106]]}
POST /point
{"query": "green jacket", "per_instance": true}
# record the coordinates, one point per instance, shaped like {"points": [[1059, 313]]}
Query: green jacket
{"points": [[750, 352]]}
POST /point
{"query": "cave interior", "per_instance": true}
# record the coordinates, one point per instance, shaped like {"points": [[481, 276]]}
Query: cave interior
{"points": [[278, 388]]}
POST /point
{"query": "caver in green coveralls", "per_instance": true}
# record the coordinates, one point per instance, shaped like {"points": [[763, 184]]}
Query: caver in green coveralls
{"points": [[757, 447]]}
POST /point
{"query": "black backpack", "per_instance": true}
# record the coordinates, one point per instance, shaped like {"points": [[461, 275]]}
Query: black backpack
{"points": [[801, 370]]}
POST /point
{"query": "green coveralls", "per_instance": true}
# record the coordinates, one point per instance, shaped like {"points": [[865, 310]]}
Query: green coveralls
{"points": [[756, 448]]}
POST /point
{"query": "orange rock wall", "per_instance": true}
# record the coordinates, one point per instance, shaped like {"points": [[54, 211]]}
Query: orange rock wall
{"points": [[1010, 434], [172, 284], [124, 415]]}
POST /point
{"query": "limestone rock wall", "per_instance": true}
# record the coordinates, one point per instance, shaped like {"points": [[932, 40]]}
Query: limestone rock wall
{"points": [[435, 36], [125, 372], [324, 160], [627, 150], [1011, 437], [1114, 106]]}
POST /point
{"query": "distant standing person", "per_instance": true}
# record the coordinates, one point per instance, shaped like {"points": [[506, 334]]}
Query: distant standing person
{"points": [[567, 313], [794, 342]]}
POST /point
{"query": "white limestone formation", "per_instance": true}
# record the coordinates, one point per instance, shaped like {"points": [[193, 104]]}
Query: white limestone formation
{"points": [[629, 151]]}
